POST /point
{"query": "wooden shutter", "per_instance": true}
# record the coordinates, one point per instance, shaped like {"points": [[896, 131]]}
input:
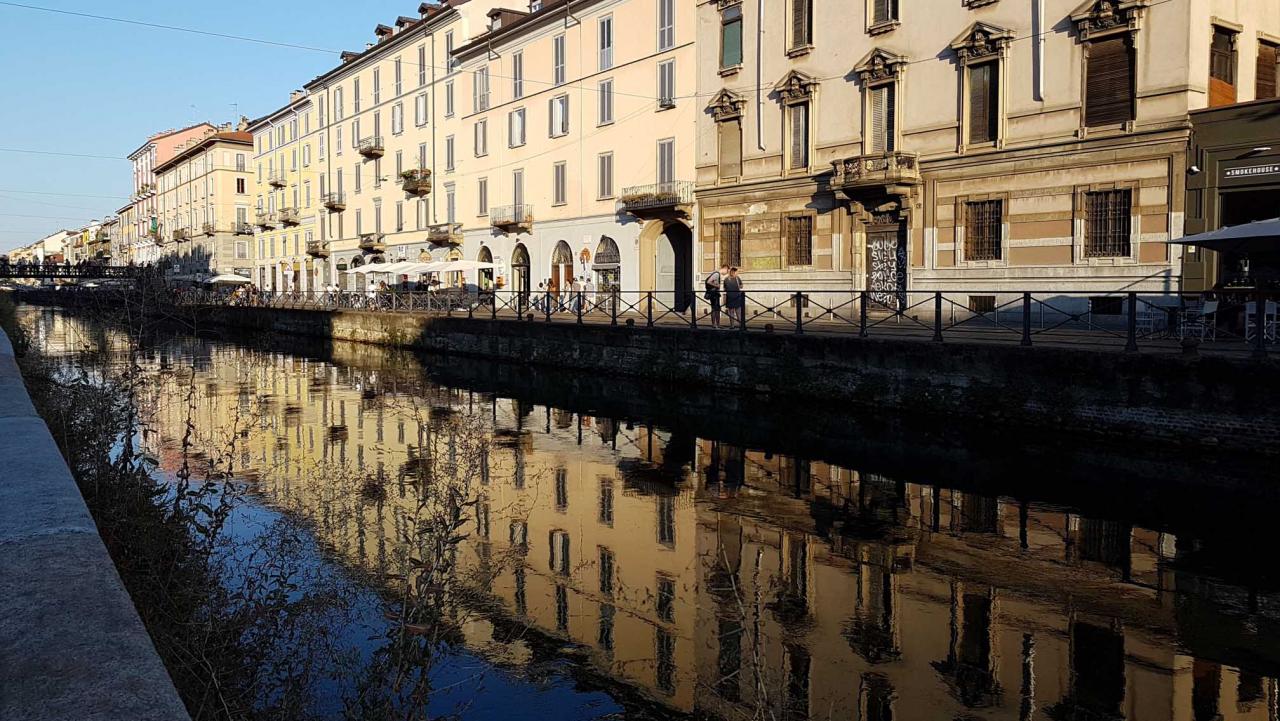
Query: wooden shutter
{"points": [[731, 148], [1109, 82], [800, 135], [880, 12], [982, 103], [800, 22], [1267, 60]]}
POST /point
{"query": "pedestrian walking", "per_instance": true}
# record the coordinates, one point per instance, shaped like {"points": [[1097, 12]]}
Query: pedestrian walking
{"points": [[734, 297], [576, 301], [713, 283], [589, 291]]}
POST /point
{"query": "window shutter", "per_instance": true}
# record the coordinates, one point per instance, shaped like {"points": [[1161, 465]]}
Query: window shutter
{"points": [[1109, 82], [1267, 59], [800, 135], [982, 101], [879, 118], [881, 11], [551, 117], [731, 149], [799, 22]]}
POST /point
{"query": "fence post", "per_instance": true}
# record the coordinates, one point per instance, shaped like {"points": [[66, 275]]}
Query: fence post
{"points": [[471, 309], [693, 309], [1026, 319], [613, 308], [937, 316], [1131, 344], [742, 313], [1260, 325], [546, 307], [493, 305], [799, 301], [578, 305], [649, 308], [862, 314]]}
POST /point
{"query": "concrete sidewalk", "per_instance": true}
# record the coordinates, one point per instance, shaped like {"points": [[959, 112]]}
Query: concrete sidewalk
{"points": [[71, 643]]}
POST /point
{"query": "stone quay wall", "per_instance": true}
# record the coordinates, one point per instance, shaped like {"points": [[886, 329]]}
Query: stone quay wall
{"points": [[1196, 402], [71, 643]]}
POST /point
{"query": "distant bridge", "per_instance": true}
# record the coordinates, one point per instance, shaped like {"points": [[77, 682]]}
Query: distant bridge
{"points": [[51, 271]]}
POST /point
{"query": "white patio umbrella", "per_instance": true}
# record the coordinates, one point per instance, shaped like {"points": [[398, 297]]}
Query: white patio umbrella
{"points": [[454, 266], [229, 278], [399, 268], [370, 268]]}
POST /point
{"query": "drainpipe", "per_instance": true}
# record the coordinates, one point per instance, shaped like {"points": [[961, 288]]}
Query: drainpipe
{"points": [[759, 75]]}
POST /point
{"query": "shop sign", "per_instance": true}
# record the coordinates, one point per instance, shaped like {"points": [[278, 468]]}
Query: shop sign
{"points": [[1250, 171]]}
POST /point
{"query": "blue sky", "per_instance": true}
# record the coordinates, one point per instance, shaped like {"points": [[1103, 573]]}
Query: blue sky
{"points": [[79, 85]]}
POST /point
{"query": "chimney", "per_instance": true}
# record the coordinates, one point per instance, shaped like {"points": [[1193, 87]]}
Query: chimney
{"points": [[296, 95], [243, 125]]}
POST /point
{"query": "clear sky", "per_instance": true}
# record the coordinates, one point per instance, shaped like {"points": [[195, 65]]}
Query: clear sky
{"points": [[95, 87]]}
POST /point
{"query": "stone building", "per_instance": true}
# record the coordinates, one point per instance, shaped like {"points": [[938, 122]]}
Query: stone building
{"points": [[974, 146]]}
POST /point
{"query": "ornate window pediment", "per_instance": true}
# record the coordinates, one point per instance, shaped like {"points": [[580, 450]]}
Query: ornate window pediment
{"points": [[1098, 17], [880, 65], [722, 4], [726, 105], [981, 41], [796, 87]]}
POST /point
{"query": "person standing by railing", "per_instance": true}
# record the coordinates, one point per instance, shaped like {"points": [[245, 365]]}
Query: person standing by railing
{"points": [[713, 283], [735, 298]]}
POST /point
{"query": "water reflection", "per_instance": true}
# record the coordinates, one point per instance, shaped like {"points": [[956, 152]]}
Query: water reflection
{"points": [[705, 577]]}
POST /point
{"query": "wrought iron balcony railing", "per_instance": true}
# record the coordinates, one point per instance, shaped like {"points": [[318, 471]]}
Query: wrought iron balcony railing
{"points": [[267, 220], [512, 217], [208, 229], [290, 216], [317, 249], [668, 198], [373, 241], [276, 179], [181, 234], [371, 147], [445, 234], [244, 229]]}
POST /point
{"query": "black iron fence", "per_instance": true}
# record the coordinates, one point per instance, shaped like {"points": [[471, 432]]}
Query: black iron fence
{"points": [[1125, 320]]}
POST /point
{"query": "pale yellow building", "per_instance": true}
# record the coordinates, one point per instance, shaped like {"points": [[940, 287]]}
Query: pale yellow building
{"points": [[203, 201], [572, 146], [288, 164]]}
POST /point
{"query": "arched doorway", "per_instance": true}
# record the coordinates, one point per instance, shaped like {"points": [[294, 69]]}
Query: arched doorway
{"points": [[674, 272], [486, 274], [349, 279], [607, 265], [562, 267], [521, 280]]}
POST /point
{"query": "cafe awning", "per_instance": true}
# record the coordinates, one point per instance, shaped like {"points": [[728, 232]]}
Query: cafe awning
{"points": [[1258, 236]]}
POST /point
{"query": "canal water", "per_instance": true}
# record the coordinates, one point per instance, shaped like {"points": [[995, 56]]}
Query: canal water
{"points": [[621, 550]]}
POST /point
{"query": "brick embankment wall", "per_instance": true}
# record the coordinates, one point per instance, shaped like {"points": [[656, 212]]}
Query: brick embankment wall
{"points": [[71, 643], [1205, 401]]}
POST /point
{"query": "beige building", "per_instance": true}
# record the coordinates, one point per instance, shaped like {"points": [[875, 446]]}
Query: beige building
{"points": [[380, 114], [979, 146], [572, 146], [288, 210], [202, 205], [141, 233]]}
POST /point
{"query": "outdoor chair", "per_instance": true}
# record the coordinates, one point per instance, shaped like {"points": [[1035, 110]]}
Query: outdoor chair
{"points": [[1268, 321], [1201, 322]]}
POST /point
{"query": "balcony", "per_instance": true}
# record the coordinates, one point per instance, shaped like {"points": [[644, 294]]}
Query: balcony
{"points": [[659, 200], [290, 216], [891, 173], [267, 220], [371, 147], [101, 237], [208, 229], [336, 202], [445, 234], [276, 179], [181, 234], [416, 182], [244, 229], [373, 241], [517, 218], [317, 249], [146, 190]]}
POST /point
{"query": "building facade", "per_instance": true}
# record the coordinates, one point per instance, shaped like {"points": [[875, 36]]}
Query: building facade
{"points": [[380, 118], [141, 232], [203, 202], [572, 147], [975, 145], [287, 203]]}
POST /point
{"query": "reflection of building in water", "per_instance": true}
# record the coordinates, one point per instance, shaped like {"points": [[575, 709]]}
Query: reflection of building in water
{"points": [[723, 581]]}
